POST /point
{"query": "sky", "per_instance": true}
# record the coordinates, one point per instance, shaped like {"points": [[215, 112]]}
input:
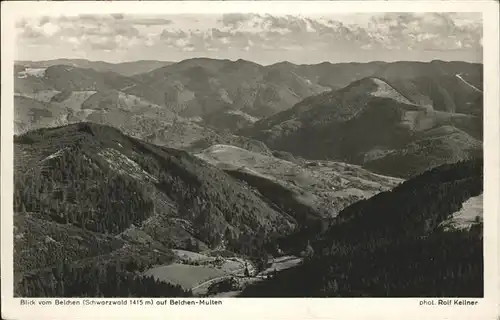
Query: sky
{"points": [[262, 38]]}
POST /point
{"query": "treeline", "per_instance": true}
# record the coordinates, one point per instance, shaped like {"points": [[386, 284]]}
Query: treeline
{"points": [[114, 280], [413, 209], [391, 245], [76, 185], [70, 188], [218, 205], [446, 264]]}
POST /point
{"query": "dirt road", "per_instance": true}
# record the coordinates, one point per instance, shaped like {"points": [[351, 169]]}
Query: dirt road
{"points": [[278, 264]]}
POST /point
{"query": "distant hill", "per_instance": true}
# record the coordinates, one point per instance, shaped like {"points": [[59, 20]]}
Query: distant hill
{"points": [[380, 126], [124, 68], [66, 78], [395, 245], [131, 114], [231, 95], [198, 87]]}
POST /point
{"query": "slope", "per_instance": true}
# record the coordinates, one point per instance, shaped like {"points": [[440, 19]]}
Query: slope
{"points": [[393, 245], [314, 190], [41, 103], [368, 121], [87, 181], [190, 190], [449, 93], [197, 87]]}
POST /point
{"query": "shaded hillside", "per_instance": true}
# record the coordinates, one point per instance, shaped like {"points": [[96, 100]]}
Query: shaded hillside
{"points": [[61, 260], [339, 75], [30, 113], [197, 87], [374, 124], [449, 93], [435, 68], [87, 195], [84, 170], [393, 245]]}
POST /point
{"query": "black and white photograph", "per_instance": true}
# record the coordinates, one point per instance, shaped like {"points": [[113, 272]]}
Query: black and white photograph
{"points": [[248, 155]]}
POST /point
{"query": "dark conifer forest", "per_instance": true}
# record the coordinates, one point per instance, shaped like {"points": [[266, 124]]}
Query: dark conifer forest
{"points": [[113, 280], [392, 245]]}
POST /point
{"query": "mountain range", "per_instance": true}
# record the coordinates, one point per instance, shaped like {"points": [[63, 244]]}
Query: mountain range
{"points": [[415, 114], [388, 129], [130, 168]]}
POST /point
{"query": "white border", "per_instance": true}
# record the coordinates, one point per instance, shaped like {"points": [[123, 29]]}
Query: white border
{"points": [[277, 308]]}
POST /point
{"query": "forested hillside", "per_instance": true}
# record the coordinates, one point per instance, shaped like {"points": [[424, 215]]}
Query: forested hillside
{"points": [[392, 244], [113, 280], [88, 191], [386, 128]]}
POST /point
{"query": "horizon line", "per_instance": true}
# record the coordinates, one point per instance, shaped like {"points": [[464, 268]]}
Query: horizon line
{"points": [[240, 59]]}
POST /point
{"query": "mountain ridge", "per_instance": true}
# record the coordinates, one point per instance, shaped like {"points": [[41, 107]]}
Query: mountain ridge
{"points": [[332, 121], [224, 92]]}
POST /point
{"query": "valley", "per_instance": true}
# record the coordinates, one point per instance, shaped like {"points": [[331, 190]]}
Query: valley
{"points": [[223, 178]]}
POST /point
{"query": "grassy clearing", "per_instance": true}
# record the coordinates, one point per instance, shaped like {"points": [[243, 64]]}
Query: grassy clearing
{"points": [[466, 216], [198, 277], [187, 276]]}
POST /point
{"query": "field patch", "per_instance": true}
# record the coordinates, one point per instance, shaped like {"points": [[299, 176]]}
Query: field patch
{"points": [[187, 276], [470, 213]]}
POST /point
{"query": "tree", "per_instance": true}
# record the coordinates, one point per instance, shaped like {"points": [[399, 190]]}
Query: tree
{"points": [[228, 236], [247, 273], [309, 251]]}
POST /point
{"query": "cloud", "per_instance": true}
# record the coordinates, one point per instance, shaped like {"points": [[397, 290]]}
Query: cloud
{"points": [[430, 31], [234, 20], [293, 35], [147, 21], [170, 36]]}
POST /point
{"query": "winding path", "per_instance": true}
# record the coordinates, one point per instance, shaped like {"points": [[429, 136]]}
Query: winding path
{"points": [[280, 263]]}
